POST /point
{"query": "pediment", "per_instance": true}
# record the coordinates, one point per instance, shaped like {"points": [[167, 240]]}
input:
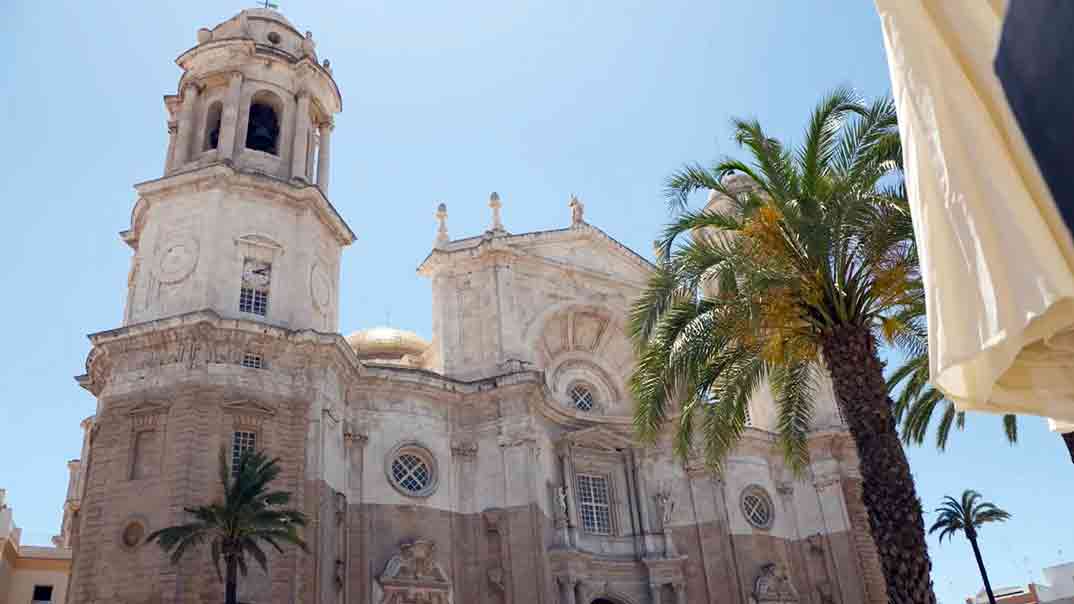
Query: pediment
{"points": [[598, 437], [148, 408], [248, 408], [586, 248], [258, 240]]}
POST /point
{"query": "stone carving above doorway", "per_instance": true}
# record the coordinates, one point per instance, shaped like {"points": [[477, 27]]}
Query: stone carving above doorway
{"points": [[773, 585], [414, 576]]}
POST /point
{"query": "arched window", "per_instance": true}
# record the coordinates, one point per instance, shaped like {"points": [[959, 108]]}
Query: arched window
{"points": [[212, 126], [263, 128]]}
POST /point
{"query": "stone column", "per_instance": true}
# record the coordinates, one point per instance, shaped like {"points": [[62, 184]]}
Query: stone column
{"points": [[185, 135], [311, 152], [567, 462], [229, 117], [324, 157], [654, 592], [301, 140]]}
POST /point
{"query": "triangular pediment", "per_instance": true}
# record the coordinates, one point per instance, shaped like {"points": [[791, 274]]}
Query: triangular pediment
{"points": [[585, 248], [148, 408], [598, 437], [248, 408]]}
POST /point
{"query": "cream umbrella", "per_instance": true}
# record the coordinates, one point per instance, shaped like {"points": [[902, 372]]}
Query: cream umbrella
{"points": [[996, 258]]}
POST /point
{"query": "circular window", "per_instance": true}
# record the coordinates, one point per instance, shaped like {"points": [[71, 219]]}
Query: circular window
{"points": [[582, 397], [757, 507], [274, 37], [412, 470], [132, 534]]}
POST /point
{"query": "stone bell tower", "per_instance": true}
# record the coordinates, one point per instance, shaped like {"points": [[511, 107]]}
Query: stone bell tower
{"points": [[229, 334], [241, 223]]}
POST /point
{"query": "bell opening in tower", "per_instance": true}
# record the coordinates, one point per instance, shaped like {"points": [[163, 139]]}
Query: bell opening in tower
{"points": [[212, 126], [263, 131]]}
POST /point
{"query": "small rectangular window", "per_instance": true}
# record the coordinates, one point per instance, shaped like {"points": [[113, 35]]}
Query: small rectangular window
{"points": [[241, 442], [253, 361], [42, 593], [254, 293], [594, 504]]}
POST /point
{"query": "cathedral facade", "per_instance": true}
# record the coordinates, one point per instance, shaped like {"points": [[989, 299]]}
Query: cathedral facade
{"points": [[492, 464]]}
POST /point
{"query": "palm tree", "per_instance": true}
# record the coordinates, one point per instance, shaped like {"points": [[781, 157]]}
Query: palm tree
{"points": [[918, 400], [967, 516], [248, 516], [797, 276]]}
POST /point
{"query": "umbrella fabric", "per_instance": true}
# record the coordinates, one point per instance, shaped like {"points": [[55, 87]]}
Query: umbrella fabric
{"points": [[996, 258], [1034, 62]]}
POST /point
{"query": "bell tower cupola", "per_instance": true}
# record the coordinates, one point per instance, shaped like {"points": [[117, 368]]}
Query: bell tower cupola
{"points": [[240, 223], [254, 94]]}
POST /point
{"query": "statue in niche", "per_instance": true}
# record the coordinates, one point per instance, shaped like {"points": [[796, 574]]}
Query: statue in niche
{"points": [[561, 501], [666, 506]]}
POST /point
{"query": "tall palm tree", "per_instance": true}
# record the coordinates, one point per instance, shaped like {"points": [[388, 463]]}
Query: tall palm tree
{"points": [[798, 275], [248, 516], [966, 516]]}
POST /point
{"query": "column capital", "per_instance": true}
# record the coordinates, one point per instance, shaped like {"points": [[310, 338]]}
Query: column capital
{"points": [[235, 76], [302, 94], [327, 125]]}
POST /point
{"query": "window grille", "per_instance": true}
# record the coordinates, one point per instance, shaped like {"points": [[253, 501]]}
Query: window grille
{"points": [[757, 508], [241, 442], [411, 472], [253, 361], [594, 504], [581, 397]]}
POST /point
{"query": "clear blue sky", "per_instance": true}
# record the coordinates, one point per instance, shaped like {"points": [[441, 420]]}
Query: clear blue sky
{"points": [[443, 101]]}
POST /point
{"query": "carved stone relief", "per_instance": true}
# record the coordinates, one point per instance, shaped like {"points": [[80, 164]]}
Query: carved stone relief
{"points": [[773, 584], [413, 575]]}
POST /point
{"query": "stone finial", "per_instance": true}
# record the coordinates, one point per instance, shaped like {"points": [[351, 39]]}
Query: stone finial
{"points": [[577, 211], [327, 66], [441, 229], [205, 35], [495, 204]]}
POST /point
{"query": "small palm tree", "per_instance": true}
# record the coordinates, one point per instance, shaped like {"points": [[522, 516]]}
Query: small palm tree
{"points": [[967, 516], [795, 278], [248, 516]]}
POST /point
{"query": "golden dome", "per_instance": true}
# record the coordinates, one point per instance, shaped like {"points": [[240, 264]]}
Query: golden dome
{"points": [[386, 343]]}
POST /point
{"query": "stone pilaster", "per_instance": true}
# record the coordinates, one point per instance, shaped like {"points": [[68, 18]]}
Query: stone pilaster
{"points": [[187, 122], [229, 117], [301, 140]]}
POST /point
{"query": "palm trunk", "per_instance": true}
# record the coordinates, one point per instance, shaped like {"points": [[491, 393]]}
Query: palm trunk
{"points": [[231, 581], [887, 486], [984, 574], [1068, 440]]}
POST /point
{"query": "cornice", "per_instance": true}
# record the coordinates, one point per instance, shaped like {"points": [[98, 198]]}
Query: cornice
{"points": [[214, 175], [359, 376]]}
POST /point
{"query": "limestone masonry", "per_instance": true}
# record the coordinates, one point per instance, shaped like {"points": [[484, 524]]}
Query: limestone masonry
{"points": [[492, 464]]}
